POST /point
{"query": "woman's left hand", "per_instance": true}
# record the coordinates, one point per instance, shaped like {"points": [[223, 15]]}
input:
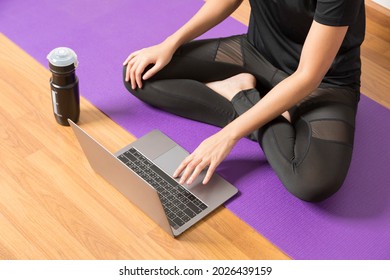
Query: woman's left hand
{"points": [[210, 153]]}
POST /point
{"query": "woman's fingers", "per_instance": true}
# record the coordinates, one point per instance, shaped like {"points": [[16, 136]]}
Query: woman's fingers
{"points": [[135, 69], [192, 166], [130, 57], [186, 168], [182, 166], [128, 69], [209, 173], [133, 74], [138, 72], [190, 170], [195, 173], [157, 56], [210, 153], [157, 67]]}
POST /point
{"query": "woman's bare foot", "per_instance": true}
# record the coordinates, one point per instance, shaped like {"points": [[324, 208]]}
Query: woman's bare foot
{"points": [[229, 87], [287, 116]]}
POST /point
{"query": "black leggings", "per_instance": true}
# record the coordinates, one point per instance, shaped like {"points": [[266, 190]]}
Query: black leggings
{"points": [[311, 155]]}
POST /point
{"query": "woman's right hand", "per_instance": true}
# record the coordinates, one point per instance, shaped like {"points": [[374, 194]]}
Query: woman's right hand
{"points": [[158, 56]]}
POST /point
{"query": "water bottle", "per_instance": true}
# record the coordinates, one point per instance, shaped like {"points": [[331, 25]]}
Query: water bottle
{"points": [[64, 85]]}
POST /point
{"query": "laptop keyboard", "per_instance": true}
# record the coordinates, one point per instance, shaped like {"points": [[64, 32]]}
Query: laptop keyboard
{"points": [[179, 204]]}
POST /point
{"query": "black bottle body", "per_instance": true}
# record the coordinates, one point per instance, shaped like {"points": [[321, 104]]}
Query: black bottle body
{"points": [[64, 85], [66, 100]]}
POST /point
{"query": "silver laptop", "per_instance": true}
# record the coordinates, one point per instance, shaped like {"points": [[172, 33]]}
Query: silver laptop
{"points": [[142, 171]]}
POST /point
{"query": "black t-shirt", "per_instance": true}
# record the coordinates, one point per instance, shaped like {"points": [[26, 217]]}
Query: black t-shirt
{"points": [[278, 29]]}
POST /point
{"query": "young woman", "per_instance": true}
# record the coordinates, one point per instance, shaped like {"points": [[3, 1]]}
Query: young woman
{"points": [[292, 83]]}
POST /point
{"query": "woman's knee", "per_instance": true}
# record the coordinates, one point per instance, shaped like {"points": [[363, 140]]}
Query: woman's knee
{"points": [[316, 181], [314, 190], [146, 94]]}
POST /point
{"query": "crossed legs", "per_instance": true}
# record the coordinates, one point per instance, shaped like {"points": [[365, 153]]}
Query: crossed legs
{"points": [[210, 81]]}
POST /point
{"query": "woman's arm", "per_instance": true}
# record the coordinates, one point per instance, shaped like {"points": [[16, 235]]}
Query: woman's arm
{"points": [[319, 51], [211, 13]]}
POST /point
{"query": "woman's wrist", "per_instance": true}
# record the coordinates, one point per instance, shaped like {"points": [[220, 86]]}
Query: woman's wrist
{"points": [[232, 133], [172, 42]]}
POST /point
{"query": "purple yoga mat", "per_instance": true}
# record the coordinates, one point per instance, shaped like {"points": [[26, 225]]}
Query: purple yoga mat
{"points": [[353, 224]]}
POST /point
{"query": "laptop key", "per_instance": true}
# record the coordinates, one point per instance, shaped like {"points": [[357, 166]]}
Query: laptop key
{"points": [[178, 221], [203, 206], [191, 197], [130, 156], [189, 212], [164, 175], [123, 159], [194, 208], [185, 218], [171, 215], [181, 206]]}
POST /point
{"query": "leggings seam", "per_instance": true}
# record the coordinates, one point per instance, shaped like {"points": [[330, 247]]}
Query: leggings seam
{"points": [[278, 147], [216, 50], [312, 104], [297, 164], [334, 142], [334, 119], [273, 76]]}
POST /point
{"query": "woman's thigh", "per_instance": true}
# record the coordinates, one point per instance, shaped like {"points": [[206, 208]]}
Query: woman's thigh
{"points": [[217, 59], [180, 87]]}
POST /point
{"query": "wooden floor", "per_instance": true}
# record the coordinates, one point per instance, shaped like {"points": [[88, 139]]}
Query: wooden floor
{"points": [[53, 206]]}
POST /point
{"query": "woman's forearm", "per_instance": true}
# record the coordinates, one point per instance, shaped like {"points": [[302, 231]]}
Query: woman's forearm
{"points": [[211, 13]]}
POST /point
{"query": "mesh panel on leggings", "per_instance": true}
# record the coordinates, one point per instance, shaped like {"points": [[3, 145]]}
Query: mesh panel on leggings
{"points": [[229, 51], [332, 130]]}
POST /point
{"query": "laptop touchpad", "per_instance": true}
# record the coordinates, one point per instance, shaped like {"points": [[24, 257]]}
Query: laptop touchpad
{"points": [[171, 160]]}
